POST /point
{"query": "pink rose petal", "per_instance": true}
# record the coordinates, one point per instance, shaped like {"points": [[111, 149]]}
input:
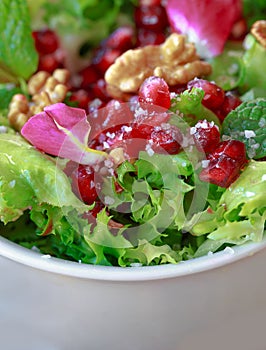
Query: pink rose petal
{"points": [[62, 131], [207, 23]]}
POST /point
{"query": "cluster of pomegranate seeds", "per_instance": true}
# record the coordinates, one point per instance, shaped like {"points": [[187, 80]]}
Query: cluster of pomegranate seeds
{"points": [[91, 77], [215, 98], [224, 163], [151, 22], [48, 48], [224, 160], [155, 91]]}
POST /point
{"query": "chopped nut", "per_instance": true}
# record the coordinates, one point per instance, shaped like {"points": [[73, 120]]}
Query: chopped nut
{"points": [[117, 154], [18, 111], [175, 60], [45, 89], [37, 81], [258, 30]]}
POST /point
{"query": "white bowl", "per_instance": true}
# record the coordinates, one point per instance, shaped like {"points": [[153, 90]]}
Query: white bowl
{"points": [[214, 302]]}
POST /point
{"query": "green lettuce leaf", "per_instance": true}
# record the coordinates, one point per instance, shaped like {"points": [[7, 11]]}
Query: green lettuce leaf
{"points": [[253, 61], [28, 177], [241, 212], [147, 253], [188, 105], [248, 191], [228, 68], [18, 57]]}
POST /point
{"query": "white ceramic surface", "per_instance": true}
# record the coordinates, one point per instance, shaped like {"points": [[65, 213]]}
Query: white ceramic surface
{"points": [[212, 303]]}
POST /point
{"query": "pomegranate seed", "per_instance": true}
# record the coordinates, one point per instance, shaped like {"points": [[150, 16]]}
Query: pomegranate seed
{"points": [[121, 39], [83, 183], [231, 101], [49, 63], [214, 95], [233, 149], [221, 173], [167, 140], [206, 136], [89, 75], [225, 163], [151, 17], [46, 41], [82, 98], [147, 37], [104, 58], [99, 90], [155, 91]]}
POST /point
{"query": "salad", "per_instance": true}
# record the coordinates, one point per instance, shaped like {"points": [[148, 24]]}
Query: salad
{"points": [[132, 132]]}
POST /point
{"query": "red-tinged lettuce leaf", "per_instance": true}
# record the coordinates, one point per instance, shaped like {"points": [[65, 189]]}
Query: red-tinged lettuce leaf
{"points": [[62, 131], [207, 23]]}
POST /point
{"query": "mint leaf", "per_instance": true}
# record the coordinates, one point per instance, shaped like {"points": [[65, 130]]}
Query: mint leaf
{"points": [[18, 57], [247, 123]]}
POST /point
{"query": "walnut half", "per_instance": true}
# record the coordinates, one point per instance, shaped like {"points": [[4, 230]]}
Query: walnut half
{"points": [[175, 60], [258, 30]]}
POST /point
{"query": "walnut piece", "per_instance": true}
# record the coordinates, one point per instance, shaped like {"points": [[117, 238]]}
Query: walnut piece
{"points": [[45, 89], [258, 30], [176, 61]]}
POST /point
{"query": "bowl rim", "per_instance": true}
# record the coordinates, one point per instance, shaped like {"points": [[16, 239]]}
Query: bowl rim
{"points": [[36, 260]]}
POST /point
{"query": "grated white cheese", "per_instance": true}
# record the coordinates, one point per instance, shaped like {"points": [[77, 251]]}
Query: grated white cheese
{"points": [[205, 163], [249, 134]]}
